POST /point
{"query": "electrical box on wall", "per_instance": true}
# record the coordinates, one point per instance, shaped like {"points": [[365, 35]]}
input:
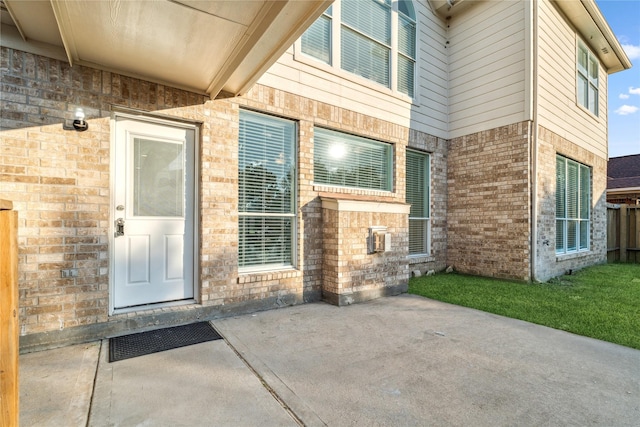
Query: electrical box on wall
{"points": [[379, 240]]}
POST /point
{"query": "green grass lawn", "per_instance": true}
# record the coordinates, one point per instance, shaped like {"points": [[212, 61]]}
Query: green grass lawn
{"points": [[601, 302]]}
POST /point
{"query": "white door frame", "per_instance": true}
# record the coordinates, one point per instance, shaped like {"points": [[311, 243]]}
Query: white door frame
{"points": [[158, 120]]}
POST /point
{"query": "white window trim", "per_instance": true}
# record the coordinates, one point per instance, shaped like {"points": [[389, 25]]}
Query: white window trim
{"points": [[590, 55], [336, 67], [428, 219], [265, 268], [565, 252]]}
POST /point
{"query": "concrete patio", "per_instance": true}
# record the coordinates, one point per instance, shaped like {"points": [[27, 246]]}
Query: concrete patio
{"points": [[397, 361]]}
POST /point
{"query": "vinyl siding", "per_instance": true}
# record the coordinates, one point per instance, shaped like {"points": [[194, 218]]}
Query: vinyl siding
{"points": [[487, 71], [428, 113], [558, 109]]}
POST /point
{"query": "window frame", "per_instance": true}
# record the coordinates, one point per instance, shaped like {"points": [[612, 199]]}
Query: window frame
{"points": [[326, 16], [585, 75], [335, 66], [425, 158], [292, 211], [400, 54], [344, 139], [581, 219]]}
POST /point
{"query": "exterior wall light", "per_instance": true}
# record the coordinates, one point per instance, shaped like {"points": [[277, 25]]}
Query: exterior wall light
{"points": [[79, 123]]}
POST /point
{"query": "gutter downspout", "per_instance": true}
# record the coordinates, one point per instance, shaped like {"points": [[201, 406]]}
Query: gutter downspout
{"points": [[534, 145]]}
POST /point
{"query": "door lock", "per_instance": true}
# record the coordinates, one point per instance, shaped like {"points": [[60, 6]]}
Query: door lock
{"points": [[119, 227]]}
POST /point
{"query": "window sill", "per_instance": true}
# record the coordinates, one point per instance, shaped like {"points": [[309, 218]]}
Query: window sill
{"points": [[420, 258], [266, 275], [588, 112], [326, 188], [572, 255]]}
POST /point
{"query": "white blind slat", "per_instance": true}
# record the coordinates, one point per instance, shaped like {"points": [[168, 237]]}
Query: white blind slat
{"points": [[585, 187], [365, 57], [572, 190], [406, 68], [560, 235], [407, 37], [266, 173], [417, 194], [316, 41], [351, 161], [371, 18], [573, 205]]}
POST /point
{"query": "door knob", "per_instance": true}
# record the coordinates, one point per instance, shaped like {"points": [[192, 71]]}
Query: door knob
{"points": [[119, 227]]}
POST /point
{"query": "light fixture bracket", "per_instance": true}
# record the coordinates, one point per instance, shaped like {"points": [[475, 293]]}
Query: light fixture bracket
{"points": [[80, 125]]}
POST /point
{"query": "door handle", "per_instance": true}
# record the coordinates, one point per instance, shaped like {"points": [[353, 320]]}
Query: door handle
{"points": [[119, 227]]}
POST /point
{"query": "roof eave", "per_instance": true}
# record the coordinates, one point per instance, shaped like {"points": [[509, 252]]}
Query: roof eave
{"points": [[596, 32], [623, 190]]}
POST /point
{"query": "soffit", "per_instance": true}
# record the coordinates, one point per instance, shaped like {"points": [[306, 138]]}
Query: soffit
{"points": [[448, 8], [205, 46], [595, 31]]}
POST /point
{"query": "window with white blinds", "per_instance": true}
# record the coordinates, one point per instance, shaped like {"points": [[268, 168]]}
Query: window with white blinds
{"points": [[316, 41], [366, 39], [266, 191], [417, 194], [351, 161], [573, 206], [587, 79], [360, 32], [406, 48]]}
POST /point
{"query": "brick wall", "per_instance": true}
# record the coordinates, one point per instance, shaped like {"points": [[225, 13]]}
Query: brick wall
{"points": [[351, 271], [488, 228], [60, 183], [59, 180], [549, 265]]}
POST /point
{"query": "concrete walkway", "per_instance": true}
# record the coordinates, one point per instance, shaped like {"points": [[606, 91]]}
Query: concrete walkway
{"points": [[398, 361]]}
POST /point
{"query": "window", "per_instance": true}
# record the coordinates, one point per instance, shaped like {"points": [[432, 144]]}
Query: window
{"points": [[406, 47], [266, 191], [360, 32], [587, 79], [417, 188], [316, 41], [573, 206], [366, 39], [351, 161]]}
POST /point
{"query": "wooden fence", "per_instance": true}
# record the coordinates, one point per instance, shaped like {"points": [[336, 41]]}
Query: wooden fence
{"points": [[623, 233], [8, 315]]}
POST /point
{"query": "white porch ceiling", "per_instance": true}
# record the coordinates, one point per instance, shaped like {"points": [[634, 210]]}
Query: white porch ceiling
{"points": [[213, 47]]}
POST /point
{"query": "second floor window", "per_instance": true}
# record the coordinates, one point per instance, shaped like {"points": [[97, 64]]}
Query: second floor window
{"points": [[356, 36], [587, 79]]}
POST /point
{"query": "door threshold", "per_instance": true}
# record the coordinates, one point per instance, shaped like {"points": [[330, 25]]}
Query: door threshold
{"points": [[149, 307]]}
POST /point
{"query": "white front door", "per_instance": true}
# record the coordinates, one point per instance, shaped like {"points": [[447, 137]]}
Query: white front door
{"points": [[153, 213]]}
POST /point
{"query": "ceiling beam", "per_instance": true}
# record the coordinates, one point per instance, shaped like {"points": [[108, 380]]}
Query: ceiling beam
{"points": [[66, 31]]}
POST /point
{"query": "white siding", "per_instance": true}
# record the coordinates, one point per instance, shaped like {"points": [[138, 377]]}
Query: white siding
{"points": [[487, 67], [558, 109], [317, 81]]}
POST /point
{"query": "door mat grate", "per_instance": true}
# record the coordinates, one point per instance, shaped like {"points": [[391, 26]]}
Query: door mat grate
{"points": [[143, 343]]}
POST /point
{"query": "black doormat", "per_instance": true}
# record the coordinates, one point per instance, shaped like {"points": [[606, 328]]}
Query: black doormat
{"points": [[139, 344]]}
